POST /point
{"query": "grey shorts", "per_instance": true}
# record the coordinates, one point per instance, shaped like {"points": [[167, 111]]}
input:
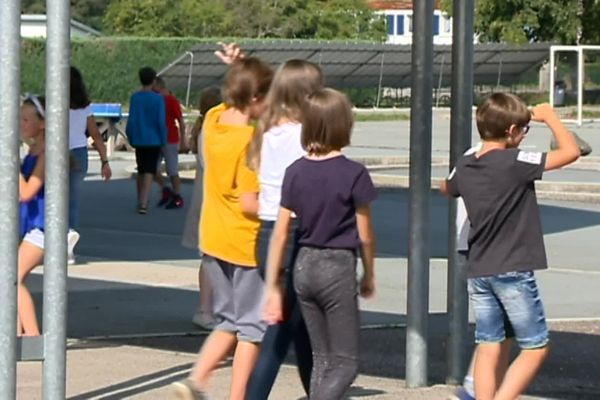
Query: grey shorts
{"points": [[170, 153], [237, 298]]}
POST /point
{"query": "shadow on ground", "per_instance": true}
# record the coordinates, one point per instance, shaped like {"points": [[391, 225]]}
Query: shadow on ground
{"points": [[118, 233]]}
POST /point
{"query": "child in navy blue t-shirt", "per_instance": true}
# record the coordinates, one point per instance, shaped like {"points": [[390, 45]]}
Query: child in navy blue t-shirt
{"points": [[330, 195]]}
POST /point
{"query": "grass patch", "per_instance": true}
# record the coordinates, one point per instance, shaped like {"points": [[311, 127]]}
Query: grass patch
{"points": [[389, 116]]}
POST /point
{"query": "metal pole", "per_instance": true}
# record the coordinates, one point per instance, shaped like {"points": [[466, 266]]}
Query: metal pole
{"points": [[189, 83], [441, 76], [460, 140], [580, 81], [380, 79], [420, 194], [552, 77], [499, 73], [56, 186], [10, 66]]}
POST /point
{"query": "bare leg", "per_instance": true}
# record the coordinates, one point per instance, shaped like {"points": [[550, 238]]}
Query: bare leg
{"points": [[216, 347], [146, 182], [246, 354], [504, 359], [30, 256], [138, 181], [487, 361], [176, 184], [158, 178], [521, 373]]}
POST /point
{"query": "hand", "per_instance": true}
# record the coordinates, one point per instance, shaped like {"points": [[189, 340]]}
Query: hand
{"points": [[367, 286], [106, 172], [229, 52], [542, 112], [273, 308]]}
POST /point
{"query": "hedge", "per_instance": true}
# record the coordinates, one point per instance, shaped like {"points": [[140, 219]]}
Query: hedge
{"points": [[109, 65]]}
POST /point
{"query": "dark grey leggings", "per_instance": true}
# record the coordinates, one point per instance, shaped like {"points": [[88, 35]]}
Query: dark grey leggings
{"points": [[325, 281]]}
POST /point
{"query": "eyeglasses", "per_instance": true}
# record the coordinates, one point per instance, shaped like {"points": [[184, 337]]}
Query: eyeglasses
{"points": [[33, 99]]}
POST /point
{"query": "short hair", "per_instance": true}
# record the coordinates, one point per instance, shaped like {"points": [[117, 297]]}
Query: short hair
{"points": [[78, 94], [245, 80], [498, 112], [159, 82], [327, 122], [147, 76]]}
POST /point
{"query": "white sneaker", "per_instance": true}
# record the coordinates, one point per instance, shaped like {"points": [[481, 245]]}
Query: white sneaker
{"points": [[203, 320], [72, 239]]}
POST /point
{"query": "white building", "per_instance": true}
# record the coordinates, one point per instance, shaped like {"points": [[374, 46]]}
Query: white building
{"points": [[34, 25], [399, 21]]}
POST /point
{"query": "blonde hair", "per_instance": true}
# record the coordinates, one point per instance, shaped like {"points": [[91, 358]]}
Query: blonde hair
{"points": [[497, 113], [328, 122], [293, 82], [209, 99]]}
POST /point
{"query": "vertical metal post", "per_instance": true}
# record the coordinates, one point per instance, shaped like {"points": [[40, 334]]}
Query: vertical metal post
{"points": [[580, 81], [380, 79], [440, 80], [552, 76], [460, 140], [10, 75], [420, 194], [189, 82], [56, 186]]}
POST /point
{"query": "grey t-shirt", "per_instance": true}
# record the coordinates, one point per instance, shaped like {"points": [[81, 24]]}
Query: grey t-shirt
{"points": [[324, 195], [499, 194]]}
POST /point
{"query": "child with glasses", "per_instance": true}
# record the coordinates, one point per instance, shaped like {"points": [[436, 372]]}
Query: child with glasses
{"points": [[505, 240]]}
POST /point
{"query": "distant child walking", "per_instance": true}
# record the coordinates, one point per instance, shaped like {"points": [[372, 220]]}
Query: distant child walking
{"points": [[331, 196], [506, 242], [147, 133], [276, 145], [170, 197], [229, 231]]}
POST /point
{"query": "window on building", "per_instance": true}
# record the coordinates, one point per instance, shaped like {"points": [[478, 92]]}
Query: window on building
{"points": [[390, 24], [400, 25], [436, 25], [409, 19], [447, 24]]}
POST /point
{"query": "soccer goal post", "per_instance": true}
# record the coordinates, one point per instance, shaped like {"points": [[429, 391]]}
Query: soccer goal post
{"points": [[556, 95]]}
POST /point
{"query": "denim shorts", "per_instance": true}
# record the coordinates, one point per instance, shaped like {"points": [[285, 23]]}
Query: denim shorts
{"points": [[511, 297]]}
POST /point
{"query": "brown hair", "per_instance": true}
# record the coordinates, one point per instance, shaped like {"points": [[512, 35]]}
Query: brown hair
{"points": [[210, 98], [246, 79], [498, 112], [327, 122], [294, 80]]}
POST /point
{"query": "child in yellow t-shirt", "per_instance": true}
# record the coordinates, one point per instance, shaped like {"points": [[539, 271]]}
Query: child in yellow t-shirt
{"points": [[229, 229]]}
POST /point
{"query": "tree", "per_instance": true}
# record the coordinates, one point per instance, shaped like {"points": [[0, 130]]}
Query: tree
{"points": [[90, 12], [306, 19], [520, 21]]}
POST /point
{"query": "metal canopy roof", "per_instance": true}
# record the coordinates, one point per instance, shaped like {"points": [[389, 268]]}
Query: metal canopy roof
{"points": [[355, 65]]}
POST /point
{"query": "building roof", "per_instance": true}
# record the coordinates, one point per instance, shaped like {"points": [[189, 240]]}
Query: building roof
{"points": [[41, 18], [359, 64]]}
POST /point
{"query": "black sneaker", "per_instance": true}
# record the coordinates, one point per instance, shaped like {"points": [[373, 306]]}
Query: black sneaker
{"points": [[167, 195], [176, 202], [187, 390]]}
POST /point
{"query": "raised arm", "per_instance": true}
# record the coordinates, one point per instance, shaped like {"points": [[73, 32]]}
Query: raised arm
{"points": [[567, 151]]}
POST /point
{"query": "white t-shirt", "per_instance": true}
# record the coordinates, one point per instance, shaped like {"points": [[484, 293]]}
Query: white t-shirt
{"points": [[280, 147], [77, 126], [462, 219]]}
